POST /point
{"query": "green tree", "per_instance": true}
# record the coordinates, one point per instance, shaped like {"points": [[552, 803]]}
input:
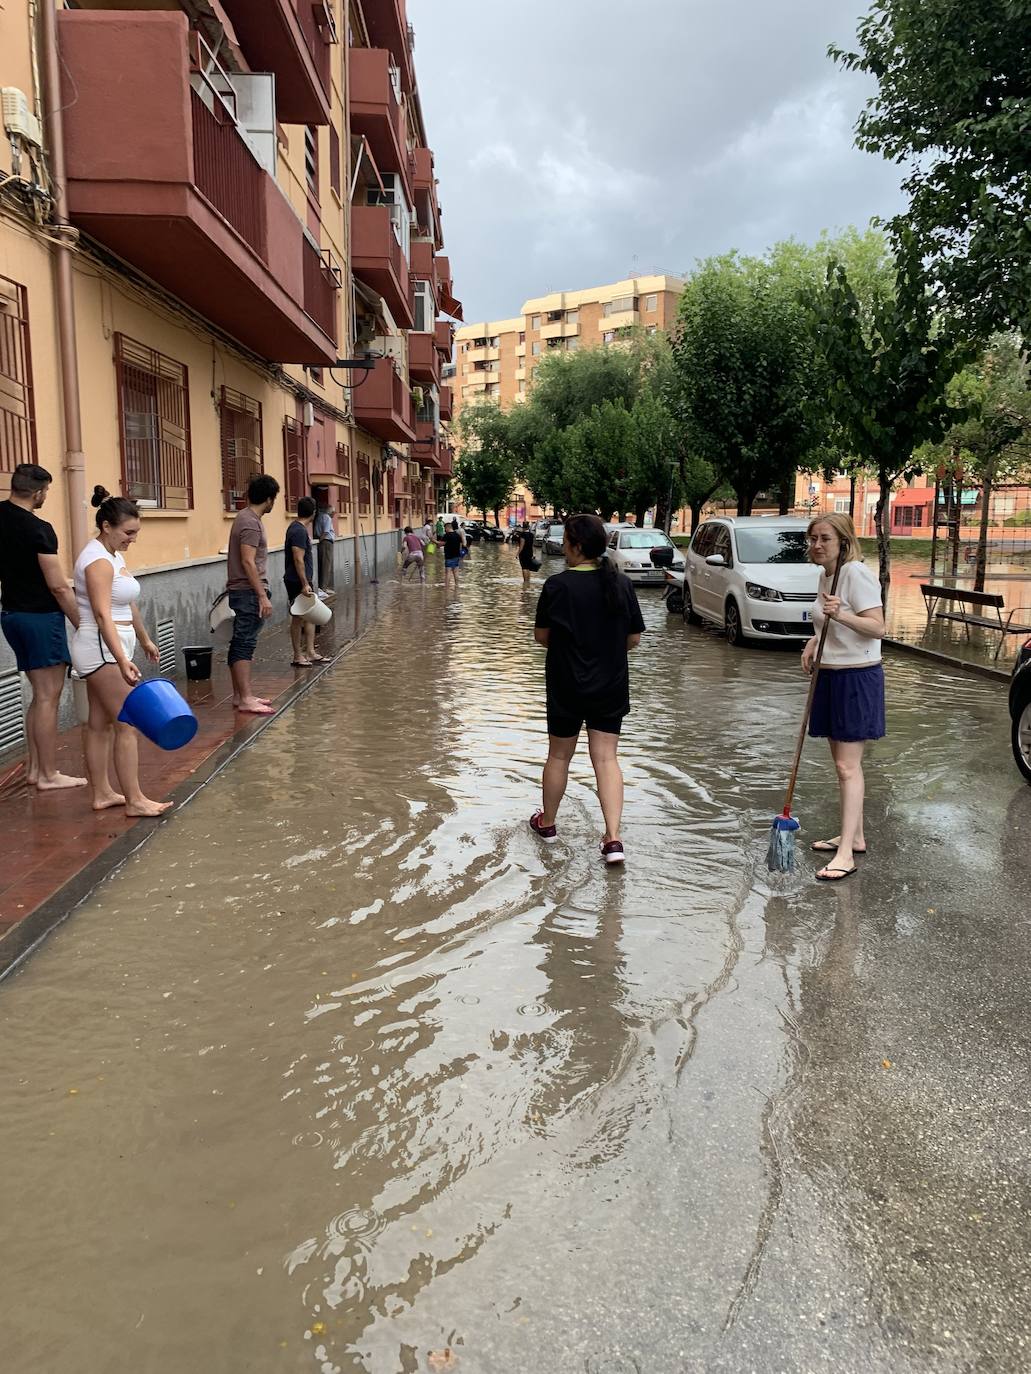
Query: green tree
{"points": [[891, 376], [485, 470], [954, 104], [743, 362]]}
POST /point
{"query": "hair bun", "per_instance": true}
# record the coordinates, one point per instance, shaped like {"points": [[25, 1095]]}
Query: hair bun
{"points": [[100, 495]]}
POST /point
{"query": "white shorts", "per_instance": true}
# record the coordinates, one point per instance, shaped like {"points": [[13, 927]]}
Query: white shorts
{"points": [[89, 652]]}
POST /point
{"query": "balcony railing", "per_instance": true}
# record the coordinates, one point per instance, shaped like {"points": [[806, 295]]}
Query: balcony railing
{"points": [[227, 173], [376, 112], [320, 290], [423, 358], [377, 259], [317, 38], [382, 402], [444, 337]]}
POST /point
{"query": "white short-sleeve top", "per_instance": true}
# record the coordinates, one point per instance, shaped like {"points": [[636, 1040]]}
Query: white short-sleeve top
{"points": [[859, 591], [125, 589]]}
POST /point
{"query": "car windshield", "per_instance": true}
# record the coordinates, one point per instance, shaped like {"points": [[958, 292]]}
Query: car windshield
{"points": [[772, 546], [643, 539], [556, 531]]}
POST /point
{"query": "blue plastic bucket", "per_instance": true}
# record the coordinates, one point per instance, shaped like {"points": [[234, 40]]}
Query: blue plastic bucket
{"points": [[157, 710]]}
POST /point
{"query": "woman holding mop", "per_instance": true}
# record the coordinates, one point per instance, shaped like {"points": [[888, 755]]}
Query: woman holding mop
{"points": [[848, 703]]}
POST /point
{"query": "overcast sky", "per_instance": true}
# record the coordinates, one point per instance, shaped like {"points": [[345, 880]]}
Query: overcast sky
{"points": [[581, 141]]}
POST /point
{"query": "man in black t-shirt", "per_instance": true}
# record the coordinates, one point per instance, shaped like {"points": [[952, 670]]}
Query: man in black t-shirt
{"points": [[36, 599], [588, 618]]}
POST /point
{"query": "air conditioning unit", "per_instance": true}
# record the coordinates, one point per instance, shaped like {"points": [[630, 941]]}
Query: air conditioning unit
{"points": [[18, 116]]}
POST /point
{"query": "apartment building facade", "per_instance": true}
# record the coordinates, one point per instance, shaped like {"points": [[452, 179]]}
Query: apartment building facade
{"points": [[495, 359], [204, 210]]}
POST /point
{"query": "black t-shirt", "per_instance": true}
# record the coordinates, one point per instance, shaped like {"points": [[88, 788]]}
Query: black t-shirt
{"points": [[23, 537], [452, 544], [526, 546], [587, 670], [297, 537]]}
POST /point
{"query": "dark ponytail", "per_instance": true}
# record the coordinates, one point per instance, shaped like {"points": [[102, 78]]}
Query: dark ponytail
{"points": [[112, 510], [587, 532]]}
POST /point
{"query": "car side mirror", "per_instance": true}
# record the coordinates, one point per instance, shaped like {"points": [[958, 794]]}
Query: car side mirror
{"points": [[716, 560]]}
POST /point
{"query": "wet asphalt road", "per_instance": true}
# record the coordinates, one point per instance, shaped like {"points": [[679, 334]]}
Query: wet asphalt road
{"points": [[343, 1072]]}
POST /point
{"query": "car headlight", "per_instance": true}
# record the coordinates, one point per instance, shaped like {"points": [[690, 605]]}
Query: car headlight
{"points": [[758, 593]]}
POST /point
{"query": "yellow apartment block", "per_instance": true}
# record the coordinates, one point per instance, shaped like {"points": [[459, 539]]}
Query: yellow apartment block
{"points": [[495, 359], [204, 210]]}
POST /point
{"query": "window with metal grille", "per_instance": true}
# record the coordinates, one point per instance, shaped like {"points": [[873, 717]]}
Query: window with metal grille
{"points": [[293, 462], [343, 493], [17, 417], [242, 455], [154, 425], [364, 486], [311, 159]]}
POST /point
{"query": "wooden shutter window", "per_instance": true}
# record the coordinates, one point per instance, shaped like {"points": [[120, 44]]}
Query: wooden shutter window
{"points": [[154, 425], [17, 413], [293, 462], [241, 441]]}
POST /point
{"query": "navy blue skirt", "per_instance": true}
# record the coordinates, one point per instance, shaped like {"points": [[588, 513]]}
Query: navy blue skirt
{"points": [[848, 704]]}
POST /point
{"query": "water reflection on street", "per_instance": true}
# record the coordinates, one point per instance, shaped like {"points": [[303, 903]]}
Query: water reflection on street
{"points": [[344, 1072]]}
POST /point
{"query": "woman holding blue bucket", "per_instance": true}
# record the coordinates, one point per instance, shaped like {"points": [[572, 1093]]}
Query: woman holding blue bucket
{"points": [[102, 652]]}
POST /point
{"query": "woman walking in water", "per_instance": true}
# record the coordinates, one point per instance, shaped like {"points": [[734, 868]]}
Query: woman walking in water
{"points": [[527, 562], [102, 651], [454, 543], [848, 706], [588, 618]]}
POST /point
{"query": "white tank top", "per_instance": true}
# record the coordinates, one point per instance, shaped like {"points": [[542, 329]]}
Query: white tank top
{"points": [[125, 590]]}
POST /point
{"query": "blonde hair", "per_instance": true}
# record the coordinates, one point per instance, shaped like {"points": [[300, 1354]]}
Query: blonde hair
{"points": [[845, 530]]}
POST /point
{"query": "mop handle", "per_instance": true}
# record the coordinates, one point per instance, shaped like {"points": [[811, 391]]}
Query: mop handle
{"points": [[809, 699]]}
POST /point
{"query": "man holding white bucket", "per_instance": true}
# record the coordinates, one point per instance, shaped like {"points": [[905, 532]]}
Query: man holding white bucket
{"points": [[247, 584]]}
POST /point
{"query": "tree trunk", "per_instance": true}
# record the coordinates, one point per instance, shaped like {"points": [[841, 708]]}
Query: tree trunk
{"points": [[696, 513], [883, 539], [852, 497], [639, 514], [957, 516], [784, 504], [982, 534]]}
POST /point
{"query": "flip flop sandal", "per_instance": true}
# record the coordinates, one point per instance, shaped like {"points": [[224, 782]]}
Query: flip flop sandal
{"points": [[843, 873], [301, 663], [829, 847]]}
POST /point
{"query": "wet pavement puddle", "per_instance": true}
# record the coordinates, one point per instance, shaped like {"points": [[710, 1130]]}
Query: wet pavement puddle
{"points": [[343, 1072]]}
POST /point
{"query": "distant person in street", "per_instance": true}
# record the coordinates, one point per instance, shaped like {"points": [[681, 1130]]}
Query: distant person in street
{"points": [[414, 549], [454, 543], [247, 584], [103, 647], [439, 529], [427, 531], [848, 706], [36, 600], [325, 536], [527, 562], [587, 618], [297, 579]]}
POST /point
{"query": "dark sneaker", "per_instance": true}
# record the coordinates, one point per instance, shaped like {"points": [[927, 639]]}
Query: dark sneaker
{"points": [[543, 832], [612, 851]]}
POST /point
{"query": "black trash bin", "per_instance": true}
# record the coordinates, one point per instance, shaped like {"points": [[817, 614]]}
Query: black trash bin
{"points": [[198, 662]]}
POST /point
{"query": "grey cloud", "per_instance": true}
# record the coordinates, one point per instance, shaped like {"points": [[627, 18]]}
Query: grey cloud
{"points": [[578, 141]]}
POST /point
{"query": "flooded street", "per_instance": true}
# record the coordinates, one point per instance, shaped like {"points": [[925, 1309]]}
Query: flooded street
{"points": [[344, 1072]]}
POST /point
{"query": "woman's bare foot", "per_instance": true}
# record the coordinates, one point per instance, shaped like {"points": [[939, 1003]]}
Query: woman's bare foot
{"points": [[58, 782], [107, 800], [145, 807]]}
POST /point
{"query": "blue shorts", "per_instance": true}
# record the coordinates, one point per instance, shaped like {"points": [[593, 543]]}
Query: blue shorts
{"points": [[848, 704], [38, 638], [452, 562], [246, 626]]}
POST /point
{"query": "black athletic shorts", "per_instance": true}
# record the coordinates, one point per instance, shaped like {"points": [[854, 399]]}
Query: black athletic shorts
{"points": [[567, 726]]}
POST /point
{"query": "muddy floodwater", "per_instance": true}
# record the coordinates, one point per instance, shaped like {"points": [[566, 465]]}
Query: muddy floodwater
{"points": [[343, 1072]]}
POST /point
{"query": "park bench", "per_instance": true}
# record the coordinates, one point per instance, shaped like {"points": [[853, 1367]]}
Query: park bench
{"points": [[983, 601]]}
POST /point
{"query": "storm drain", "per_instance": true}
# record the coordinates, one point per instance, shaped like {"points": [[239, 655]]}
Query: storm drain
{"points": [[166, 647], [12, 711]]}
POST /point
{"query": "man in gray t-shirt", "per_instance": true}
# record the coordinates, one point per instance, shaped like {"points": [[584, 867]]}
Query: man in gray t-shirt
{"points": [[247, 584]]}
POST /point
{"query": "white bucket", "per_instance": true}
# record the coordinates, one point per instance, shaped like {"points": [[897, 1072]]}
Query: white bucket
{"points": [[312, 609], [81, 698]]}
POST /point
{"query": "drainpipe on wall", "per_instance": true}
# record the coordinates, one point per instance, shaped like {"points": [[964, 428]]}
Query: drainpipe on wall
{"points": [[64, 237], [355, 519]]}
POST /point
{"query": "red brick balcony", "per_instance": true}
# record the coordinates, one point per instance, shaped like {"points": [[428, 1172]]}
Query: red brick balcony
{"points": [[286, 37], [167, 182], [421, 262], [377, 259], [446, 455], [423, 359], [446, 403], [446, 289], [375, 111], [424, 186], [387, 23], [444, 338], [382, 403], [427, 439]]}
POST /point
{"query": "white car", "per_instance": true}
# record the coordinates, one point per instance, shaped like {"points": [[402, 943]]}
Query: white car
{"points": [[631, 551], [553, 537], [751, 575]]}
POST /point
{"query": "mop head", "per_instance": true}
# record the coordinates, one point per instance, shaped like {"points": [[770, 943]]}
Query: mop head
{"points": [[780, 857]]}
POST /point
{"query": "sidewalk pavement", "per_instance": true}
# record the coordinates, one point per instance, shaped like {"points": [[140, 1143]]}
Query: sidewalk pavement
{"points": [[58, 848]]}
